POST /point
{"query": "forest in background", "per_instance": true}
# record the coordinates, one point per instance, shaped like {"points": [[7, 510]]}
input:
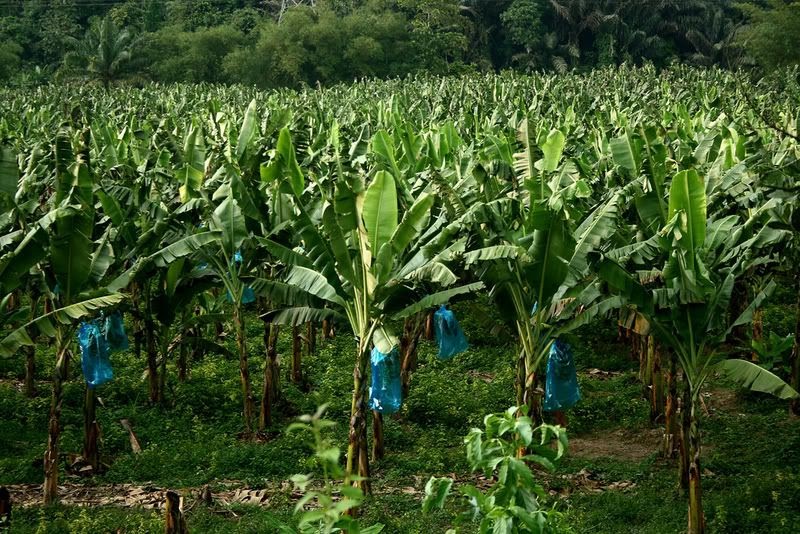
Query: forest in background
{"points": [[291, 43]]}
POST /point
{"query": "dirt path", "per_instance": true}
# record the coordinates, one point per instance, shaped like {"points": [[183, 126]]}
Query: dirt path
{"points": [[619, 444], [152, 497], [623, 444], [230, 492]]}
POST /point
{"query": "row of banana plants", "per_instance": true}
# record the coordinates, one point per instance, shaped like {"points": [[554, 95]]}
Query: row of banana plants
{"points": [[367, 205]]}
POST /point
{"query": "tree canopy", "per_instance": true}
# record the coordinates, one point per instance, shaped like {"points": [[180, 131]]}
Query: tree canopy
{"points": [[277, 43]]}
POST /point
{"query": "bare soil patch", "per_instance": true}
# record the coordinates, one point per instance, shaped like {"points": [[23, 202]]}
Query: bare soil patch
{"points": [[719, 399], [618, 444]]}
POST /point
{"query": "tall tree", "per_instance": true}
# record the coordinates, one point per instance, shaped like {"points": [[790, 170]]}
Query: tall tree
{"points": [[9, 59], [772, 34], [523, 20], [103, 51], [439, 32], [575, 23]]}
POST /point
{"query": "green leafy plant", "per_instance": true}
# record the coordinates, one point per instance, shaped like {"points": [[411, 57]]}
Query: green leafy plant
{"points": [[330, 503], [773, 351], [513, 504]]}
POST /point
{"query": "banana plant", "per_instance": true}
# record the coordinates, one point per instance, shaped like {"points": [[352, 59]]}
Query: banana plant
{"points": [[169, 284], [74, 273], [180, 285], [16, 272], [76, 269], [166, 233], [22, 246], [225, 259], [357, 262], [535, 235], [779, 179], [647, 153], [688, 310], [247, 208]]}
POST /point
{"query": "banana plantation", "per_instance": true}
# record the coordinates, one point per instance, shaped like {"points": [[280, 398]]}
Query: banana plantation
{"points": [[187, 270]]}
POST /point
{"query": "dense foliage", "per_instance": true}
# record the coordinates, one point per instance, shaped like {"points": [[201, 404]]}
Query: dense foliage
{"points": [[292, 42], [367, 205]]}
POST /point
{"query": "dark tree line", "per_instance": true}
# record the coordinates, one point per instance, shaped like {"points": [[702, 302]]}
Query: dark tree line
{"points": [[275, 43]]}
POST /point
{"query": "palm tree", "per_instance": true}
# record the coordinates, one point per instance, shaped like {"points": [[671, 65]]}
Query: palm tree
{"points": [[103, 51], [640, 29], [715, 41], [575, 18]]}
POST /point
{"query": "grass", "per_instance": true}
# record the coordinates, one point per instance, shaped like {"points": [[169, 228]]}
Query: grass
{"points": [[752, 482]]}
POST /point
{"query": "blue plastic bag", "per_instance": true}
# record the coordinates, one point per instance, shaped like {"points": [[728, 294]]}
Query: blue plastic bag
{"points": [[561, 387], [449, 334], [386, 391], [248, 295], [94, 354], [114, 331]]}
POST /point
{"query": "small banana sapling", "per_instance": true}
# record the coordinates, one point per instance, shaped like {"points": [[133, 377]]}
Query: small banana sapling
{"points": [[514, 503], [328, 505]]}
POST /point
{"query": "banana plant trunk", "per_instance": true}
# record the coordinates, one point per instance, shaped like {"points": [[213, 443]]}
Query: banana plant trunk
{"points": [[327, 329], [138, 325], [758, 330], [533, 397], [528, 394], [378, 448], [91, 430], [631, 337], [357, 454], [519, 380], [686, 425], [183, 364], [696, 518], [671, 436], [297, 355], [138, 339], [795, 357], [656, 381], [50, 487], [151, 347], [311, 338], [271, 376], [429, 330], [30, 372], [197, 352], [244, 371], [152, 358], [645, 369], [527, 384], [412, 331], [165, 335]]}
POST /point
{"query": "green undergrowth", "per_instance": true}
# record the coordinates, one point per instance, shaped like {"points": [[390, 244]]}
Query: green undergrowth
{"points": [[752, 482]]}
